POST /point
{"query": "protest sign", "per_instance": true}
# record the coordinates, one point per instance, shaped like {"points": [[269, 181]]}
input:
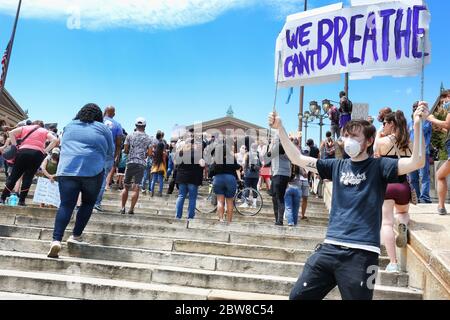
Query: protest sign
{"points": [[47, 192], [384, 39], [360, 111]]}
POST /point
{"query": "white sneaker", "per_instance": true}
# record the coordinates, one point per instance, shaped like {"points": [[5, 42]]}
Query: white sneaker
{"points": [[392, 268], [77, 240], [254, 204], [244, 205], [55, 248]]}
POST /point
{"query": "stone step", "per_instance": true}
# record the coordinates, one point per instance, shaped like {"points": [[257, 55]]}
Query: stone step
{"points": [[29, 297], [77, 287], [284, 241], [271, 284], [125, 224], [187, 252], [156, 242]]}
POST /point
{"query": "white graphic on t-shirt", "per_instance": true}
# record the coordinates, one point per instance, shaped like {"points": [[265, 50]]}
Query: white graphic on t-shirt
{"points": [[109, 124], [349, 178]]}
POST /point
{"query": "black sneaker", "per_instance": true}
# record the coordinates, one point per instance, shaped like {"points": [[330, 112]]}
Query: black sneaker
{"points": [[130, 211], [122, 211], [21, 204]]}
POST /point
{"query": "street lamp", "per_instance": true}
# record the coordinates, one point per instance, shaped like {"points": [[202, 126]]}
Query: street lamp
{"points": [[316, 111], [306, 118]]}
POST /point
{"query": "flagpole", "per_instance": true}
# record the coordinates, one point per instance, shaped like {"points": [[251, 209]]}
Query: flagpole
{"points": [[11, 44]]}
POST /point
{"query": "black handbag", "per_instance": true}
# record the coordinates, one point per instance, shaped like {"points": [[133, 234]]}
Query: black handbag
{"points": [[10, 152]]}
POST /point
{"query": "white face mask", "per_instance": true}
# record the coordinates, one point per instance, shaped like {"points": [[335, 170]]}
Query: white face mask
{"points": [[352, 147]]}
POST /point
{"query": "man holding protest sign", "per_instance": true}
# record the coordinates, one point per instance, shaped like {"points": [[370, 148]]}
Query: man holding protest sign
{"points": [[349, 255]]}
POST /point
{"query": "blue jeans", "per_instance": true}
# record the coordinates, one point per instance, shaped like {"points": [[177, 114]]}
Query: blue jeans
{"points": [[108, 167], [292, 204], [147, 177], [424, 173], [70, 188], [157, 177], [184, 189]]}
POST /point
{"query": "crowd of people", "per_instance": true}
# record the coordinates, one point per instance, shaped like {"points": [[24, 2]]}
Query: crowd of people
{"points": [[380, 168]]}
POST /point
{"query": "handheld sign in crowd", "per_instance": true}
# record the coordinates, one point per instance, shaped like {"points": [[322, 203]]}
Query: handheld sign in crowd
{"points": [[47, 192], [384, 39]]}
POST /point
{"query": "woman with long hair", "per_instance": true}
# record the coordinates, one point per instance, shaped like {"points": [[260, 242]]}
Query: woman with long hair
{"points": [[85, 146], [159, 168], [395, 144]]}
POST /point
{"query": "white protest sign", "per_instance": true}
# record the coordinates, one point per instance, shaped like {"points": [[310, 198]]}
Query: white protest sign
{"points": [[47, 192], [360, 111], [382, 39]]}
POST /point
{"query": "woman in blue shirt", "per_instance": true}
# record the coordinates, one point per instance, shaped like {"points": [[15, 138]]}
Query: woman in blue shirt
{"points": [[85, 146]]}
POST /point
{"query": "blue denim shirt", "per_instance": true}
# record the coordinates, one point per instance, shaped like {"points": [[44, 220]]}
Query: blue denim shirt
{"points": [[85, 147], [427, 131]]}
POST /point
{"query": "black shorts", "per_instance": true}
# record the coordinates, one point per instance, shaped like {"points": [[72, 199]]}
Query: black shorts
{"points": [[134, 173]]}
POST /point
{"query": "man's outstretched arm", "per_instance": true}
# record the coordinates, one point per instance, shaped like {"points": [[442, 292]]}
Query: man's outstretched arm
{"points": [[293, 153]]}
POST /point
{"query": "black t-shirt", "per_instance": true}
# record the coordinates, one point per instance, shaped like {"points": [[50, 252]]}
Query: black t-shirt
{"points": [[358, 196]]}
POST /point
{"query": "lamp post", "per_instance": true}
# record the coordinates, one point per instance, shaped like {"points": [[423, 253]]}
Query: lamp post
{"points": [[316, 111], [302, 88], [306, 118]]}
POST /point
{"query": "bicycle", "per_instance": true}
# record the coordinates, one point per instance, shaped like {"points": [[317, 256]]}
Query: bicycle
{"points": [[246, 201]]}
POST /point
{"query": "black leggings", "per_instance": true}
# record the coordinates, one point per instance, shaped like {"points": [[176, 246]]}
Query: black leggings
{"points": [[279, 186], [27, 163]]}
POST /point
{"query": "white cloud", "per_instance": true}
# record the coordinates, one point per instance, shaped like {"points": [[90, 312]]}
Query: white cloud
{"points": [[145, 14]]}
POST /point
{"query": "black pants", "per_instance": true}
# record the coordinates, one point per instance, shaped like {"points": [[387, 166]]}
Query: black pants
{"points": [[354, 271], [172, 182], [279, 186], [27, 163]]}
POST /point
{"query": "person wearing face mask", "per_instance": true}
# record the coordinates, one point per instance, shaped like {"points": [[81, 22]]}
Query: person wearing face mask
{"points": [[394, 145], [444, 170], [352, 243]]}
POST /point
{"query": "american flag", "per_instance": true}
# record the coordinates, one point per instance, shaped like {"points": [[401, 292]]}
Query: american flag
{"points": [[5, 59]]}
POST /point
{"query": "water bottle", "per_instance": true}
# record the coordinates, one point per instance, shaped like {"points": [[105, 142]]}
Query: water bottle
{"points": [[13, 200]]}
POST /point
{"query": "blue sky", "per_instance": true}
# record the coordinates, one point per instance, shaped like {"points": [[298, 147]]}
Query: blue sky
{"points": [[182, 65]]}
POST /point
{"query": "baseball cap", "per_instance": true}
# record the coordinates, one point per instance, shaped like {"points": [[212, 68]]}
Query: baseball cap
{"points": [[141, 122]]}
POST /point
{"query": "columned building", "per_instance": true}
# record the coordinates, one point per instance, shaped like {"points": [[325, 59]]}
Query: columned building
{"points": [[229, 122], [10, 111]]}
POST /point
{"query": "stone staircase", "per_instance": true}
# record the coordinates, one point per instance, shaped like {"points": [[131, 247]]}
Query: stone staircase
{"points": [[151, 255]]}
